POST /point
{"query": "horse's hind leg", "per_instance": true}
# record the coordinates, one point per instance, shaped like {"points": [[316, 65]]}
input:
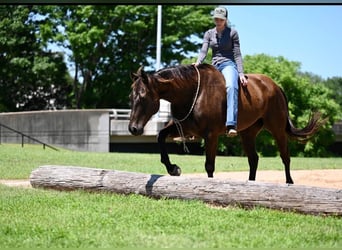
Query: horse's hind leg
{"points": [[172, 169], [281, 140], [248, 143], [210, 154]]}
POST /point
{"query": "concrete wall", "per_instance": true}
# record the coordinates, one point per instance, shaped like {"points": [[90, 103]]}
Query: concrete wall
{"points": [[83, 130]]}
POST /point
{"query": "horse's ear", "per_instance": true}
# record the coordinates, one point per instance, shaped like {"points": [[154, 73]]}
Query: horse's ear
{"points": [[140, 70], [135, 76], [141, 73]]}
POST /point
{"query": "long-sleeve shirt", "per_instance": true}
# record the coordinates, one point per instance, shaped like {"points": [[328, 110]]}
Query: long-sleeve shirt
{"points": [[223, 49]]}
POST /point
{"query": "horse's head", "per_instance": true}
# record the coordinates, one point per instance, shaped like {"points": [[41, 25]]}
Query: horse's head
{"points": [[144, 101]]}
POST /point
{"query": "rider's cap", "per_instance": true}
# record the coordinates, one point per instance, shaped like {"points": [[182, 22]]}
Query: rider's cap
{"points": [[220, 12]]}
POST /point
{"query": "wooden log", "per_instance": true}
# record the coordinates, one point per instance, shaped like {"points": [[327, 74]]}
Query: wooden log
{"points": [[303, 199]]}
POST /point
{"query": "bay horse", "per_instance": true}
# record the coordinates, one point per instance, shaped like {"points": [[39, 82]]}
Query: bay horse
{"points": [[198, 108]]}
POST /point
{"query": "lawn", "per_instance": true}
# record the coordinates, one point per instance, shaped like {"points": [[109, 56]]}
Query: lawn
{"points": [[33, 218]]}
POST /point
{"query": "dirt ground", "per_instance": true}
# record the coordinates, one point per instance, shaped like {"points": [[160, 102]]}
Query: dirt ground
{"points": [[330, 178]]}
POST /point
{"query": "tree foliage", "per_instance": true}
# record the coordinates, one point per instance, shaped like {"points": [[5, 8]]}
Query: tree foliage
{"points": [[305, 95], [30, 78], [335, 85], [109, 42]]}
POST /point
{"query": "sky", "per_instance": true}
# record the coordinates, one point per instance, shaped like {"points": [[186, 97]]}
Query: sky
{"points": [[309, 34]]}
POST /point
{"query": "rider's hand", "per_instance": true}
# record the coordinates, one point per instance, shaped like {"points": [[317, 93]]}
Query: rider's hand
{"points": [[243, 80]]}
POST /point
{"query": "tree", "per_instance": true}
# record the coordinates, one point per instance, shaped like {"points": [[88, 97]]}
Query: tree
{"points": [[335, 85], [30, 77], [107, 43], [304, 97]]}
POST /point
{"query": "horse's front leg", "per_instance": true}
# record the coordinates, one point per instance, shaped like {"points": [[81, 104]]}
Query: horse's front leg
{"points": [[210, 154], [172, 169]]}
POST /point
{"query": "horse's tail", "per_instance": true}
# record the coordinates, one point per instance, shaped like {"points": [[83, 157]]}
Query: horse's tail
{"points": [[304, 134]]}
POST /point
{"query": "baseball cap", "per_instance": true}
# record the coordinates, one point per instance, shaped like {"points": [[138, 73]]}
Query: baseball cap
{"points": [[220, 12]]}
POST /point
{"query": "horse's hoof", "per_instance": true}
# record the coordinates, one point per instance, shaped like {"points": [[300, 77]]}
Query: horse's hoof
{"points": [[289, 181], [176, 171]]}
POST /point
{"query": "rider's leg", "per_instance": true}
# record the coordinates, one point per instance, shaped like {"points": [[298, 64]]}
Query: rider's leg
{"points": [[231, 75]]}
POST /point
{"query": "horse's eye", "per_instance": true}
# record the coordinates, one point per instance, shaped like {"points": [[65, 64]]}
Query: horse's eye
{"points": [[142, 92]]}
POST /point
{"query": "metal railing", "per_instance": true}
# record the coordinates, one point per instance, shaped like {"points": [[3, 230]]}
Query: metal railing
{"points": [[124, 114], [27, 136], [120, 114]]}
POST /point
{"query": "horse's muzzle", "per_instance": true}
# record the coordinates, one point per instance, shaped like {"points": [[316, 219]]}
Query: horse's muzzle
{"points": [[135, 131]]}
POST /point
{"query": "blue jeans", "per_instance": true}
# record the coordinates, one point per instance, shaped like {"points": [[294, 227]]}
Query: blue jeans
{"points": [[231, 75]]}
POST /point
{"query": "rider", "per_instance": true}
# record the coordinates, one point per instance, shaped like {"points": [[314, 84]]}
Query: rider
{"points": [[226, 57]]}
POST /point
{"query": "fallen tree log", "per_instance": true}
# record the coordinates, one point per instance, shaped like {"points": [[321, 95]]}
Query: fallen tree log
{"points": [[304, 199]]}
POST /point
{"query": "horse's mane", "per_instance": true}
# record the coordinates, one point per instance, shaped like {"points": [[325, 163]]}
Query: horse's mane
{"points": [[179, 72], [176, 72]]}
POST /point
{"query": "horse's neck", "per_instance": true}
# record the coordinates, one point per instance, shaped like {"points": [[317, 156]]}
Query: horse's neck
{"points": [[180, 97], [177, 95]]}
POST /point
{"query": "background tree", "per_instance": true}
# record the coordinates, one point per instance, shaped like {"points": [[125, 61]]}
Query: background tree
{"points": [[30, 77], [109, 42], [335, 85], [305, 95]]}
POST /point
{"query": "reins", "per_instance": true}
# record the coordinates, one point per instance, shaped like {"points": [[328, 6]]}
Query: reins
{"points": [[178, 122]]}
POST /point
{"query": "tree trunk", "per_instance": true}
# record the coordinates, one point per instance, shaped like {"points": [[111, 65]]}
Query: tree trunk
{"points": [[303, 199]]}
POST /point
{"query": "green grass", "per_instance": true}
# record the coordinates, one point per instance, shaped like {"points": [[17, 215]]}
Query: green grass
{"points": [[18, 162], [33, 218], [38, 218]]}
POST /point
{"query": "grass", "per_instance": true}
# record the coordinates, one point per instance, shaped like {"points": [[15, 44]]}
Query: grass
{"points": [[33, 218], [40, 218], [18, 162]]}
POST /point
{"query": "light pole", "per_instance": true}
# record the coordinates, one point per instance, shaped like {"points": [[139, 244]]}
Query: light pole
{"points": [[159, 29], [164, 108]]}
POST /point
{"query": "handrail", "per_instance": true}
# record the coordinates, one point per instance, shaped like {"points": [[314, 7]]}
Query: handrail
{"points": [[24, 135], [120, 114]]}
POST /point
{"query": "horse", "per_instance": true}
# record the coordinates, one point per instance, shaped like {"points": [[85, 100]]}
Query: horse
{"points": [[198, 109]]}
